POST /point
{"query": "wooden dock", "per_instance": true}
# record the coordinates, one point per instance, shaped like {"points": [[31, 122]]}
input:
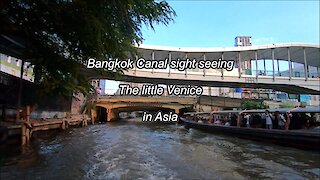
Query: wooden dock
{"points": [[26, 128]]}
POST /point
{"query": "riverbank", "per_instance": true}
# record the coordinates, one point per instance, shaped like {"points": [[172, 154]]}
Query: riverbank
{"points": [[25, 129]]}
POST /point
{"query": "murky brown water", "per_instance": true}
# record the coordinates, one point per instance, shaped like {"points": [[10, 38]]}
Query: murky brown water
{"points": [[132, 150]]}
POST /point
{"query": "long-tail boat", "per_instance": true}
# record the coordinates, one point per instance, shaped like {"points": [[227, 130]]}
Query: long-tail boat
{"points": [[219, 122]]}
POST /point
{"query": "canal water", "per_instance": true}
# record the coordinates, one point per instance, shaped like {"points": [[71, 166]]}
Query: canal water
{"points": [[135, 150]]}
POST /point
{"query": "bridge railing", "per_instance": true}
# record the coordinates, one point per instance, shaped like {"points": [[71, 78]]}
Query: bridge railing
{"points": [[294, 73], [216, 93]]}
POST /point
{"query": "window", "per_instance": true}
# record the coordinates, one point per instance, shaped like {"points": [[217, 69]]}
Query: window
{"points": [[18, 62]]}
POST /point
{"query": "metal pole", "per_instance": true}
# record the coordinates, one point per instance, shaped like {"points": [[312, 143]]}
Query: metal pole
{"points": [[210, 97], [222, 58], [152, 59], [264, 65], [186, 59], [305, 64], [256, 53], [278, 67], [199, 102], [273, 74], [290, 64], [239, 64], [169, 63], [204, 69], [135, 67]]}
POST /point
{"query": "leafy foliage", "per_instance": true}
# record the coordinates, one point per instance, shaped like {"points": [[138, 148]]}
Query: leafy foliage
{"points": [[60, 35], [253, 104], [288, 104], [89, 104]]}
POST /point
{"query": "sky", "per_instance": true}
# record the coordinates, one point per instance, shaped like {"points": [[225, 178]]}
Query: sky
{"points": [[217, 23]]}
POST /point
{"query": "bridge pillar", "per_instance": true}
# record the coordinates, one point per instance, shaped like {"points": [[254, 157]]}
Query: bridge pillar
{"points": [[93, 115], [112, 114], [176, 110]]}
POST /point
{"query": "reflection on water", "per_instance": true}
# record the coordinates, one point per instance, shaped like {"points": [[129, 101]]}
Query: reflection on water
{"points": [[132, 150]]}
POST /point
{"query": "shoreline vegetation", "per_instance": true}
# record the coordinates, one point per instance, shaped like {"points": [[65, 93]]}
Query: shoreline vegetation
{"points": [[57, 37]]}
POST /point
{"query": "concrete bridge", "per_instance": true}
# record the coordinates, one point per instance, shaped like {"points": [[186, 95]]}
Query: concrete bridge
{"points": [[113, 105], [301, 77]]}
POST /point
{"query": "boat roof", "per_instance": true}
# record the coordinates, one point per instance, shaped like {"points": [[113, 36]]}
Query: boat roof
{"points": [[196, 113], [270, 110], [281, 110], [284, 110], [226, 111], [307, 110]]}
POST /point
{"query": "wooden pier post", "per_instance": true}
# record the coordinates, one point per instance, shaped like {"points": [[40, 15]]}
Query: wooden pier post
{"points": [[84, 120], [93, 115], [28, 121], [63, 126], [26, 126], [23, 134]]}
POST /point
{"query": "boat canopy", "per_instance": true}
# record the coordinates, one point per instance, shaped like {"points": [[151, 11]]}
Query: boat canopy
{"points": [[226, 112], [197, 113], [281, 110]]}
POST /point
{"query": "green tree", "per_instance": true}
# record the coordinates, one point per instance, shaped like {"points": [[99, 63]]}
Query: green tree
{"points": [[253, 104], [287, 104], [60, 35]]}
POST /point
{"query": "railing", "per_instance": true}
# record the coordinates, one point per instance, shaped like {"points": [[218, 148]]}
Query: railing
{"points": [[234, 72], [280, 74], [165, 95]]}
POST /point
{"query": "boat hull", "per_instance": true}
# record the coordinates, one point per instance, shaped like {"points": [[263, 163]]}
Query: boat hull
{"points": [[293, 138]]}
